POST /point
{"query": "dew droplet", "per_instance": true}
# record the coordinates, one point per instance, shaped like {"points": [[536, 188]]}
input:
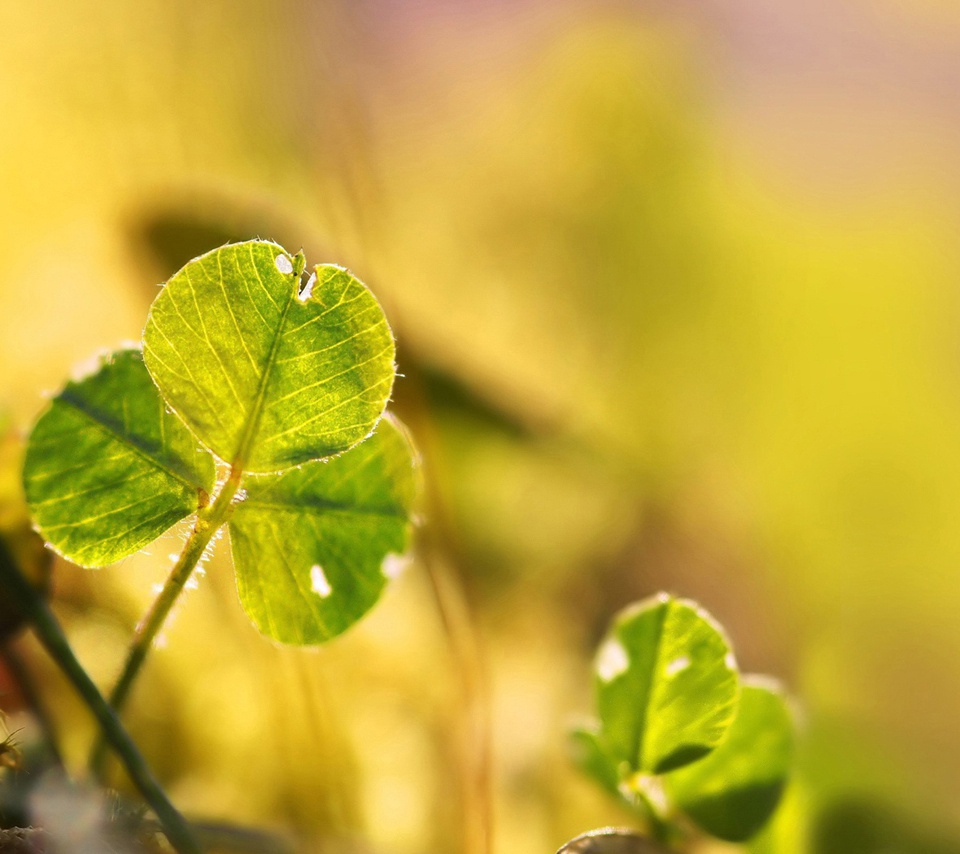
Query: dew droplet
{"points": [[284, 264], [612, 660], [318, 582]]}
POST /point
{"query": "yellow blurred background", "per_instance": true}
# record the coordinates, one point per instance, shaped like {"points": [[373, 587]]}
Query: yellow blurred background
{"points": [[676, 287]]}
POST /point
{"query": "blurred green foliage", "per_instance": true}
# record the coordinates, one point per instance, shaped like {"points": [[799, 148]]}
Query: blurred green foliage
{"points": [[674, 311]]}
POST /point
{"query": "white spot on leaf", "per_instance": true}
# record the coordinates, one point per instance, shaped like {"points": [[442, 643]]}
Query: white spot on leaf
{"points": [[308, 288], [678, 665], [612, 660], [393, 565], [730, 661], [284, 264], [318, 582]]}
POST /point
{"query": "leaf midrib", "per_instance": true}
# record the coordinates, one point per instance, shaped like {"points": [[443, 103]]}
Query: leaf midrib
{"points": [[185, 478], [252, 426], [640, 744], [319, 508]]}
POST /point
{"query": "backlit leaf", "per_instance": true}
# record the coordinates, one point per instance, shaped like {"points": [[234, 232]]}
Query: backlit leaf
{"points": [[666, 683], [314, 547], [591, 756], [266, 380], [733, 792], [108, 468]]}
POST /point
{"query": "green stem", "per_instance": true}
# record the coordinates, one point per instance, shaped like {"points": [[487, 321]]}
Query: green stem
{"points": [[661, 826], [51, 636], [209, 521]]}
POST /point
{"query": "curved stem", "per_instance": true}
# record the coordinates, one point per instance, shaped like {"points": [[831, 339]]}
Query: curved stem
{"points": [[51, 636], [209, 521]]}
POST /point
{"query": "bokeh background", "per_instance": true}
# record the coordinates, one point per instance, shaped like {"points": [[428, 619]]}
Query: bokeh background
{"points": [[677, 293]]}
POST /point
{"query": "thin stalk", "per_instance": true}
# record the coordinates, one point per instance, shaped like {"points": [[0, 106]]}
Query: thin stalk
{"points": [[475, 732], [51, 636], [209, 521], [31, 696], [660, 817], [474, 729]]}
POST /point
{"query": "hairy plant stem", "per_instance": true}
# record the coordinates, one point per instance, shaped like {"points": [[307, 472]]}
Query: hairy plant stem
{"points": [[51, 636], [209, 520]]}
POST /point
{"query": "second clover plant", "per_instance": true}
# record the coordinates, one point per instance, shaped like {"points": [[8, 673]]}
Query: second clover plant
{"points": [[681, 736], [257, 402]]}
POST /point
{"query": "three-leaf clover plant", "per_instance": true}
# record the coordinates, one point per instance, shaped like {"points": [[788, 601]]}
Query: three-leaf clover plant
{"points": [[256, 403], [681, 736]]}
